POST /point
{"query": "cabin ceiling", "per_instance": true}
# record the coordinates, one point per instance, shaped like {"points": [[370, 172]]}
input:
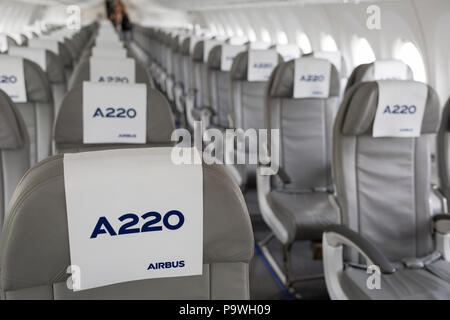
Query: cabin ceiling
{"points": [[199, 5]]}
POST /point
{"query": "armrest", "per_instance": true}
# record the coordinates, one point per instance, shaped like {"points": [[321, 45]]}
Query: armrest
{"points": [[437, 193], [284, 177], [281, 174], [441, 223], [341, 235]]}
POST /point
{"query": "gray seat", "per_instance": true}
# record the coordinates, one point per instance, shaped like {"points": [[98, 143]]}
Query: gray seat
{"points": [[11, 42], [199, 91], [187, 86], [247, 107], [303, 215], [14, 150], [56, 76], [67, 60], [178, 81], [69, 124], [443, 147], [366, 72], [383, 192], [55, 72], [36, 234], [219, 90], [295, 202], [82, 73], [38, 111]]}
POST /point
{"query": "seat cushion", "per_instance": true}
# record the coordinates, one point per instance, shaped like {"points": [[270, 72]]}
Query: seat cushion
{"points": [[304, 215], [405, 284]]}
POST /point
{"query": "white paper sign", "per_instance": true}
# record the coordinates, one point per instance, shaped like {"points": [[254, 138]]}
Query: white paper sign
{"points": [[288, 51], [107, 34], [114, 113], [312, 78], [401, 106], [12, 78], [101, 43], [112, 70], [390, 70], [259, 45], [108, 53], [207, 47], [237, 41], [3, 43], [48, 44], [334, 57], [139, 217], [260, 64], [229, 52], [36, 55]]}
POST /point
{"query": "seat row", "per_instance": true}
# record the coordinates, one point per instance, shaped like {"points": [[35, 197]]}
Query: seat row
{"points": [[353, 168], [110, 107]]}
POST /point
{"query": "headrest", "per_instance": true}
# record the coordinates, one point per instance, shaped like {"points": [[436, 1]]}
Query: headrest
{"points": [[360, 106], [47, 60], [11, 41], [215, 57], [380, 70], [69, 124], [56, 47], [239, 69], [197, 54], [55, 68], [37, 230], [259, 45], [288, 51], [208, 45], [185, 45], [283, 83], [13, 133], [445, 123], [37, 86], [335, 57], [83, 73], [3, 43], [237, 41], [24, 39]]}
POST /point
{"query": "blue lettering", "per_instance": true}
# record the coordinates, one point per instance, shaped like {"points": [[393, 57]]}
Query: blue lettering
{"points": [[166, 265], [102, 221], [152, 223]]}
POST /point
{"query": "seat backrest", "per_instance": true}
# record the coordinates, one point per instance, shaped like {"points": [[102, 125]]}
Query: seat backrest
{"points": [[383, 182], [380, 70], [247, 97], [186, 64], [11, 42], [305, 120], [38, 213], [177, 58], [24, 39], [61, 50], [288, 51], [69, 124], [220, 82], [82, 73], [199, 76], [14, 151], [38, 110], [443, 150]]}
